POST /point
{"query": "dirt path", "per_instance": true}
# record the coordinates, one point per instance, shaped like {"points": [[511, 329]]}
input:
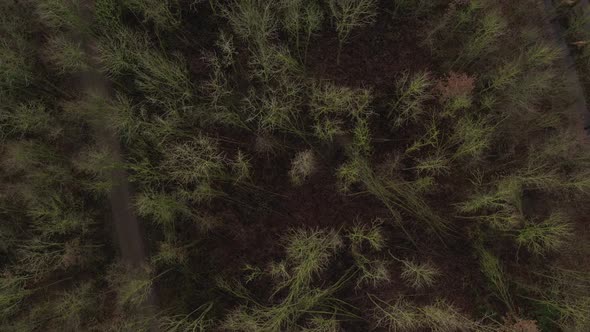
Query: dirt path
{"points": [[128, 234], [126, 225], [127, 229], [579, 104]]}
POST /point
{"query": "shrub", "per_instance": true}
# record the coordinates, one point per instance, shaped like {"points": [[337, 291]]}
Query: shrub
{"points": [[502, 206], [164, 209], [266, 144], [25, 156], [432, 138], [301, 19], [73, 306], [438, 317], [542, 54], [332, 106], [435, 164], [218, 91], [492, 270], [195, 321], [302, 167], [61, 14], [241, 168], [39, 258], [158, 12], [252, 20], [564, 293], [326, 129], [218, 87], [444, 317], [329, 99], [59, 214], [31, 118], [546, 236], [578, 19], [225, 43], [308, 254], [393, 192], [372, 235], [322, 324], [274, 63], [361, 139], [119, 52], [275, 110], [534, 86], [485, 37], [373, 272], [456, 22], [473, 137], [397, 316], [506, 75], [412, 94], [365, 241], [456, 91], [163, 79], [348, 15], [169, 254], [108, 15], [66, 56], [195, 161], [13, 292], [132, 284], [16, 70], [123, 118], [419, 275]]}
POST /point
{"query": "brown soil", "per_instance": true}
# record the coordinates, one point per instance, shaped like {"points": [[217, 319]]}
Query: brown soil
{"points": [[127, 228], [579, 103], [373, 57]]}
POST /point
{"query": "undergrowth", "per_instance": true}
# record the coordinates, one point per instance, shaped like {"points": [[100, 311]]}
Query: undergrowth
{"points": [[276, 187]]}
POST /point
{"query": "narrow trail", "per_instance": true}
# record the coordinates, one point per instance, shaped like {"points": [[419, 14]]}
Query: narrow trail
{"points": [[126, 225], [128, 233], [127, 228], [579, 104]]}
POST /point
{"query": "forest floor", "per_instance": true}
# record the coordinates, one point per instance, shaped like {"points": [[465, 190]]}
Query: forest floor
{"points": [[252, 165]]}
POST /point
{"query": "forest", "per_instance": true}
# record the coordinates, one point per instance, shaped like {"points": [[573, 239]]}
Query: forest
{"points": [[294, 165]]}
